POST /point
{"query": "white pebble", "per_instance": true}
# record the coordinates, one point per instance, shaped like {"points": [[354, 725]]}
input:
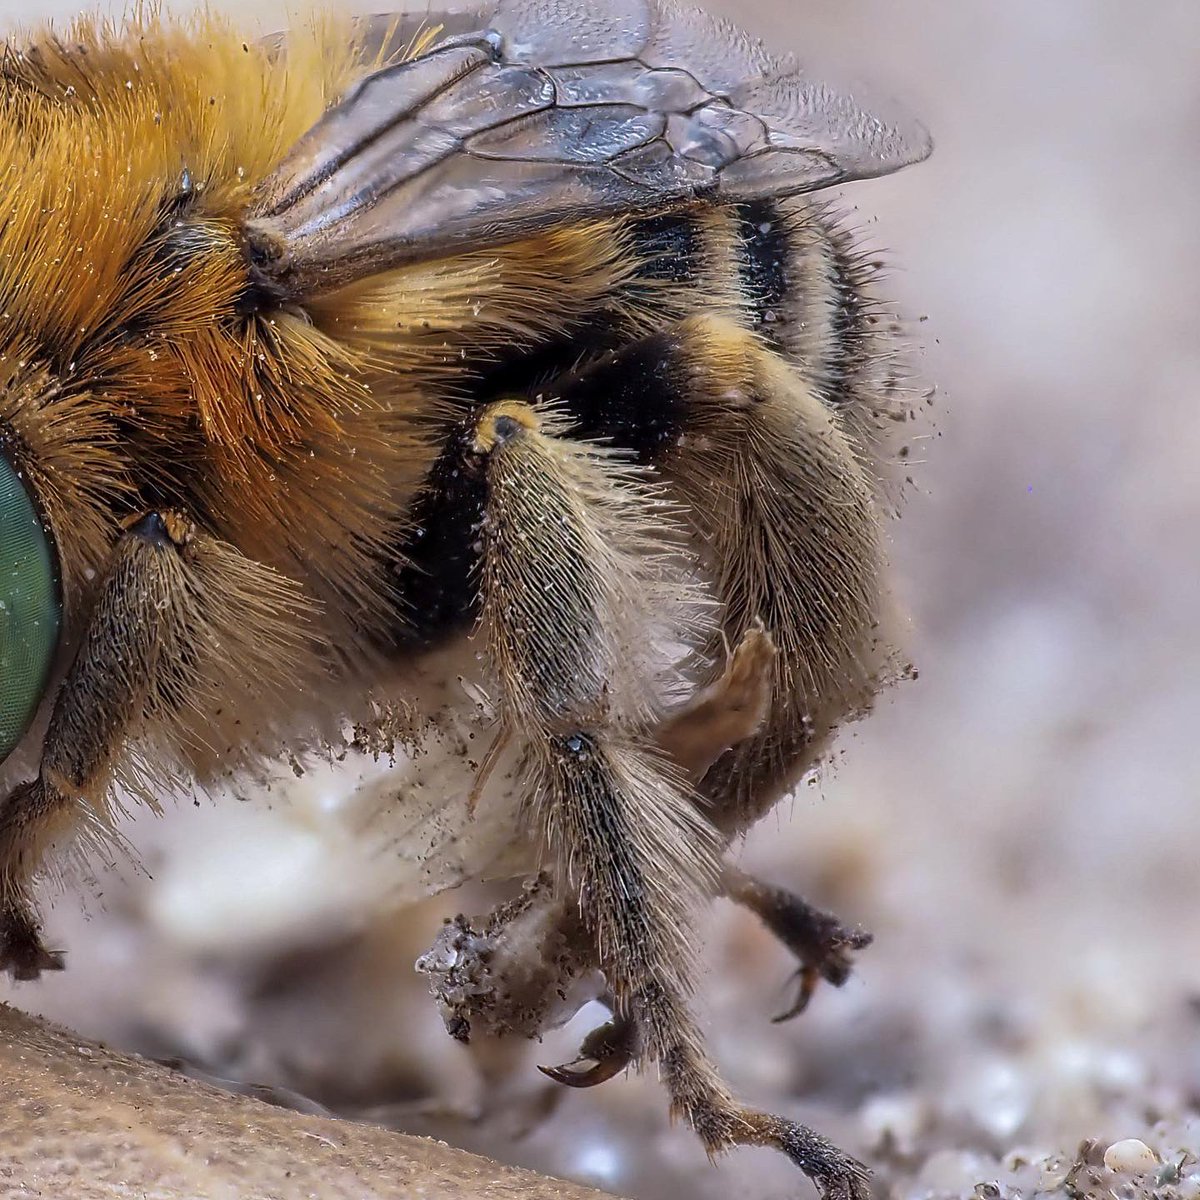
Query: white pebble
{"points": [[1131, 1156]]}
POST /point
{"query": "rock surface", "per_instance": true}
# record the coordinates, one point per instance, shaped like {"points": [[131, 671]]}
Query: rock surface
{"points": [[81, 1121]]}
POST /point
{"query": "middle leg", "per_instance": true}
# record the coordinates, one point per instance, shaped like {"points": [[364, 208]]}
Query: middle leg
{"points": [[186, 639]]}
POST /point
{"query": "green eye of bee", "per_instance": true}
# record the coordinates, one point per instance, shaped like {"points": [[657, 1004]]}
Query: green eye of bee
{"points": [[30, 607]]}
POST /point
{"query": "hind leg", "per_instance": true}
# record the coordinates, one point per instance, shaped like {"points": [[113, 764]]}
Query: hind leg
{"points": [[729, 712], [820, 942], [779, 500], [773, 485]]}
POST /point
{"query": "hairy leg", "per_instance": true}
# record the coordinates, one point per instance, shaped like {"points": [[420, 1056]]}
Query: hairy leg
{"points": [[779, 498], [722, 715], [506, 974], [774, 485], [820, 942], [184, 632], [567, 563]]}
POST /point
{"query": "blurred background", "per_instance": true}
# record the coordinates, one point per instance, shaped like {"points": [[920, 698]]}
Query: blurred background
{"points": [[1019, 827]]}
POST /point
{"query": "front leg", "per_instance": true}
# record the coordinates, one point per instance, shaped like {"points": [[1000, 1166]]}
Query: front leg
{"points": [[569, 578], [185, 634]]}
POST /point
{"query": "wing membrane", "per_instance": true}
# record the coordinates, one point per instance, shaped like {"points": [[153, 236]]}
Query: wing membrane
{"points": [[549, 112]]}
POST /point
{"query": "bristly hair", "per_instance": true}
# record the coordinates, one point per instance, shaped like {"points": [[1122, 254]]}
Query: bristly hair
{"points": [[129, 154]]}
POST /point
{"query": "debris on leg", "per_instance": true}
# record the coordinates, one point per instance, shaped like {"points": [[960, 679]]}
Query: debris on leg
{"points": [[518, 973], [567, 565]]}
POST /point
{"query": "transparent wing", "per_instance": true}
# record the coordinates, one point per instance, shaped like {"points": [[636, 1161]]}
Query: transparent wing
{"points": [[550, 112]]}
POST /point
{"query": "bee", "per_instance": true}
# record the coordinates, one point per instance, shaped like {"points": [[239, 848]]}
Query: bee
{"points": [[504, 364]]}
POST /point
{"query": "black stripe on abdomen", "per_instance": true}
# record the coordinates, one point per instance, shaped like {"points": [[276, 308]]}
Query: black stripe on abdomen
{"points": [[669, 248], [635, 398], [667, 252], [764, 250]]}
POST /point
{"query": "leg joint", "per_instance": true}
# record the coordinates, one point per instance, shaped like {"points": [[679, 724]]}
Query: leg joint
{"points": [[162, 528]]}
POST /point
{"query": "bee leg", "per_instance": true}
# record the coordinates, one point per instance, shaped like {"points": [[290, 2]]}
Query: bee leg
{"points": [[782, 508], [603, 1054], [774, 482], [718, 718], [99, 698], [724, 713], [817, 938], [509, 973], [614, 813], [170, 599], [694, 736], [721, 716]]}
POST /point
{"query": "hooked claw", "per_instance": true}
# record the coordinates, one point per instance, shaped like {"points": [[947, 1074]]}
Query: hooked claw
{"points": [[833, 965], [821, 943], [605, 1052]]}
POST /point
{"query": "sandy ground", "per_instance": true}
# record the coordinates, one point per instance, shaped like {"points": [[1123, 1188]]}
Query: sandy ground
{"points": [[1018, 827]]}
